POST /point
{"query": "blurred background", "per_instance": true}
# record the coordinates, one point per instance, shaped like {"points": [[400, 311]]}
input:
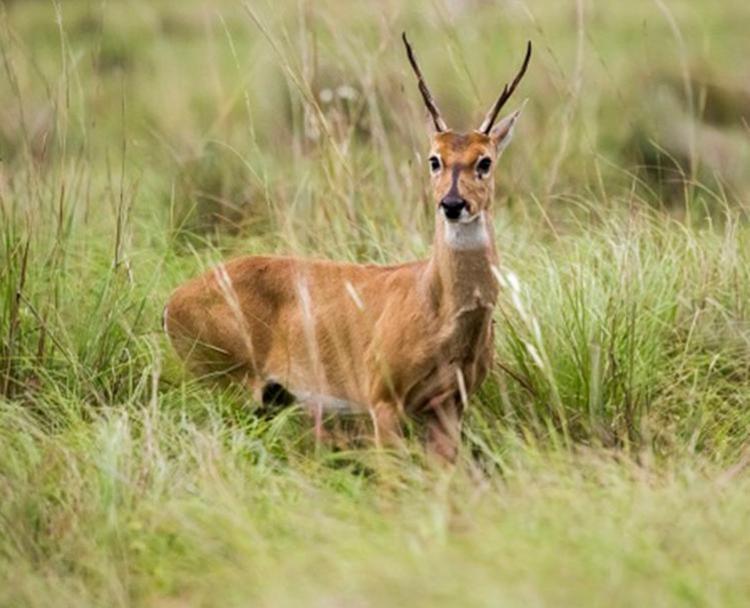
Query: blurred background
{"points": [[263, 119]]}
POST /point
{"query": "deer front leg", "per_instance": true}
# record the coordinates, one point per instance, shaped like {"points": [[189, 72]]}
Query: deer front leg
{"points": [[443, 429]]}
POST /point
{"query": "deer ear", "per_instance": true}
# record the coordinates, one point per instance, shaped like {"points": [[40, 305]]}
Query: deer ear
{"points": [[502, 132]]}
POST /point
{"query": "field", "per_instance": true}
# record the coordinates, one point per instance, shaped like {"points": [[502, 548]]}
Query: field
{"points": [[605, 459]]}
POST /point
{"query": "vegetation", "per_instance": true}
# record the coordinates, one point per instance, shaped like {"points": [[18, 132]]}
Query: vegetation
{"points": [[603, 461]]}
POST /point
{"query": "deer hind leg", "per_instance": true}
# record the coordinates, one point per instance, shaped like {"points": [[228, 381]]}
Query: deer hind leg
{"points": [[217, 359], [207, 361], [386, 422]]}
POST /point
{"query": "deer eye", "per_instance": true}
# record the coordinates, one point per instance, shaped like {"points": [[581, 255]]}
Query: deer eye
{"points": [[434, 164], [483, 165]]}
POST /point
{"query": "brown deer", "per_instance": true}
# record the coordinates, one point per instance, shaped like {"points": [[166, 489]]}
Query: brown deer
{"points": [[404, 342]]}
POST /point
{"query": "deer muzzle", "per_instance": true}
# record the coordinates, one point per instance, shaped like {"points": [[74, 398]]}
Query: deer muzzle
{"points": [[452, 206]]}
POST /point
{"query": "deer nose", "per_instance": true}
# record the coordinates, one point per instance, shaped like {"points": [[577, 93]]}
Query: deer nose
{"points": [[452, 207]]}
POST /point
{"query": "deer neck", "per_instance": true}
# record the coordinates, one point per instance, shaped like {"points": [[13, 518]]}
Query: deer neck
{"points": [[459, 275]]}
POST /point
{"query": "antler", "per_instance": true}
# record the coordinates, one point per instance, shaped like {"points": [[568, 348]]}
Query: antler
{"points": [[426, 95], [489, 120]]}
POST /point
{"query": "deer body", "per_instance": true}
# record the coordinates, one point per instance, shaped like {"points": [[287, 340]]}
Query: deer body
{"points": [[412, 340], [385, 339]]}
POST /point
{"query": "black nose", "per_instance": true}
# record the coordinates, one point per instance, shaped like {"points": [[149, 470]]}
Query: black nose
{"points": [[452, 206]]}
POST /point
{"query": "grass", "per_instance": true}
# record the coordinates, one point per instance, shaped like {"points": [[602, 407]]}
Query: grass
{"points": [[605, 458]]}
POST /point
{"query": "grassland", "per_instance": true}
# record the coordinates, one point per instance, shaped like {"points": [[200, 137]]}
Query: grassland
{"points": [[603, 462]]}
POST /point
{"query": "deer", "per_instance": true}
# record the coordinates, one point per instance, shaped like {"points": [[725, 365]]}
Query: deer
{"points": [[405, 344]]}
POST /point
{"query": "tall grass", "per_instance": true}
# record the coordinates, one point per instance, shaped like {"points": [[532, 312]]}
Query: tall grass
{"points": [[604, 459]]}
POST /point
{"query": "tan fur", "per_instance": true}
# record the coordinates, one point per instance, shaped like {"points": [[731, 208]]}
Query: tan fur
{"points": [[395, 342], [463, 151]]}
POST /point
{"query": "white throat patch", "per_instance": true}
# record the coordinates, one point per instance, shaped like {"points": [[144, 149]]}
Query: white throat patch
{"points": [[466, 235]]}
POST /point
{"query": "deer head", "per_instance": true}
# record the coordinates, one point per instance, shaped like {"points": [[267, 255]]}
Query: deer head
{"points": [[461, 164]]}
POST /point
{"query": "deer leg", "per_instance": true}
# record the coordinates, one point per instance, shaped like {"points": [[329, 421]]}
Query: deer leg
{"points": [[317, 413], [386, 424], [444, 430]]}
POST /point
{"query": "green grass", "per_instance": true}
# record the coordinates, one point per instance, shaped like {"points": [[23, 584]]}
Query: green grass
{"points": [[604, 460]]}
